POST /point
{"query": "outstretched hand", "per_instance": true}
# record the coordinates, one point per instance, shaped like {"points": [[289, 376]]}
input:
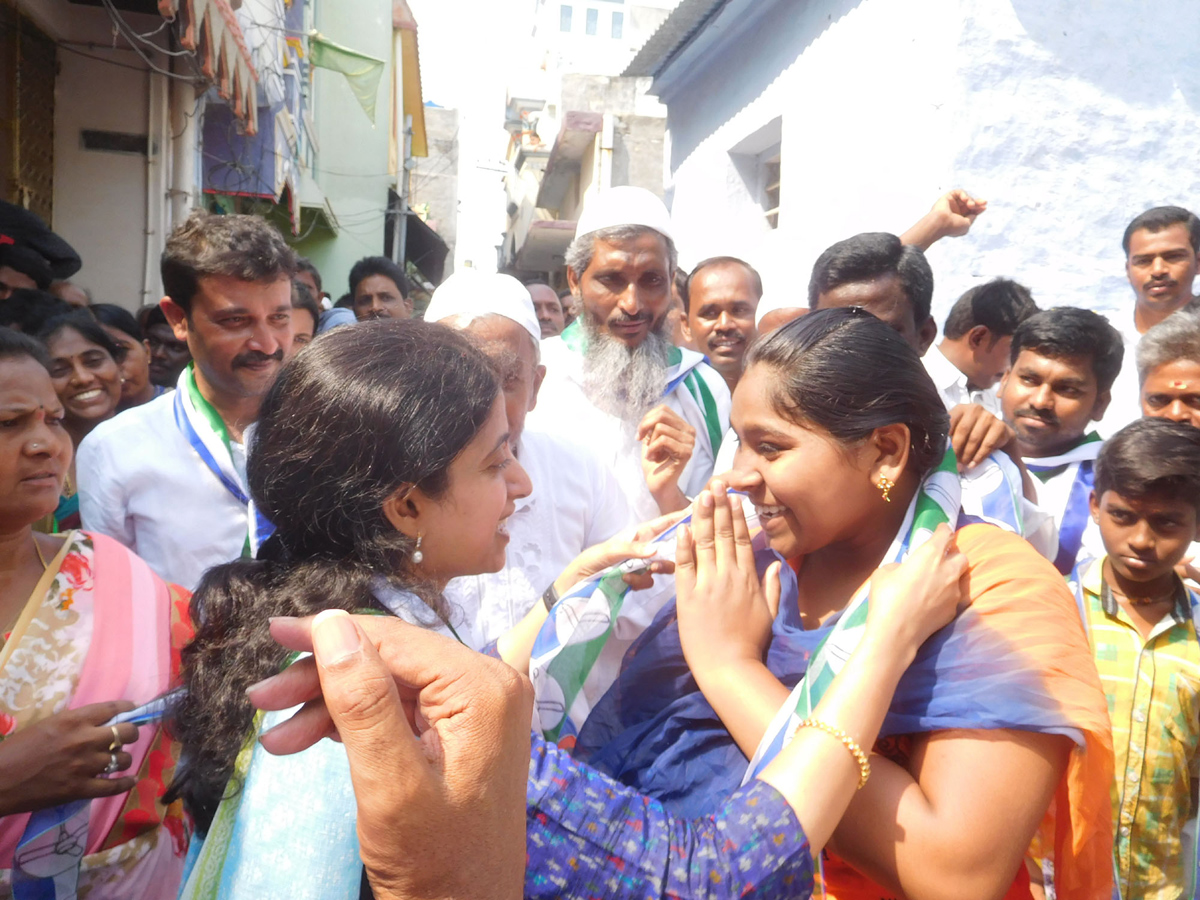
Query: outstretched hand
{"points": [[373, 682]]}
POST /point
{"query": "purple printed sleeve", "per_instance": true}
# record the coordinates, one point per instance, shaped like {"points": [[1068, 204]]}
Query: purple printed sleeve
{"points": [[590, 836]]}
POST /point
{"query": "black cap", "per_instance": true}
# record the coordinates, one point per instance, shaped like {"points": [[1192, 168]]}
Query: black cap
{"points": [[29, 246]]}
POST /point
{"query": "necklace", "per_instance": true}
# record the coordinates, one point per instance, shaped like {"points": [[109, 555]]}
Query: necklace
{"points": [[41, 558], [1144, 601]]}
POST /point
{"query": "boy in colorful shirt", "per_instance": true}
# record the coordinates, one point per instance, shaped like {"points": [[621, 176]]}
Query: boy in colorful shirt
{"points": [[1140, 620]]}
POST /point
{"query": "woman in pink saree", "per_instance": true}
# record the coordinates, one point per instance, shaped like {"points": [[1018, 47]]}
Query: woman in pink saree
{"points": [[89, 637]]}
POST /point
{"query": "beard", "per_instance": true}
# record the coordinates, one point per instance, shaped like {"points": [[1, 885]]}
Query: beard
{"points": [[622, 382]]}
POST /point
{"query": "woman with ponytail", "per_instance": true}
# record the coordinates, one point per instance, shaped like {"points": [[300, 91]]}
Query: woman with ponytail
{"points": [[381, 457]]}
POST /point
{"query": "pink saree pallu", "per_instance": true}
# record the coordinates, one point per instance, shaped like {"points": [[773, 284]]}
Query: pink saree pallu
{"points": [[99, 626]]}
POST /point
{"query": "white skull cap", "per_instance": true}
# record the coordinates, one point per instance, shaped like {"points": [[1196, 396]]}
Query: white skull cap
{"points": [[624, 205], [473, 294]]}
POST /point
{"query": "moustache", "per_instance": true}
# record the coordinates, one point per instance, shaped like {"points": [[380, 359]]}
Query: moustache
{"points": [[1048, 417], [622, 318], [254, 357], [1159, 282]]}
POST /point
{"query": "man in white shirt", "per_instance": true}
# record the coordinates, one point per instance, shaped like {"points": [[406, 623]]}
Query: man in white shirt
{"points": [[575, 502], [168, 479], [655, 412], [1064, 361], [976, 339], [1162, 258]]}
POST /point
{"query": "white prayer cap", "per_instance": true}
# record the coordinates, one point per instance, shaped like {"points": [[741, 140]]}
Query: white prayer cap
{"points": [[473, 294], [624, 205]]}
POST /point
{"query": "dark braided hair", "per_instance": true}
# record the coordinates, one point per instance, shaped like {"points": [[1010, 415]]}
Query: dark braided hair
{"points": [[358, 415]]}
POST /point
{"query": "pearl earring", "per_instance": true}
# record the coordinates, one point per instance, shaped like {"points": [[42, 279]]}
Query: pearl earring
{"points": [[418, 557]]}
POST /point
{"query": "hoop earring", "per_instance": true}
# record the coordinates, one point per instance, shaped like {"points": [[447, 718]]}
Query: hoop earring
{"points": [[885, 487], [418, 557]]}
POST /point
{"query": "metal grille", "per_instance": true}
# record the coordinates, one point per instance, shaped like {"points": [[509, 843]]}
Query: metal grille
{"points": [[30, 68]]}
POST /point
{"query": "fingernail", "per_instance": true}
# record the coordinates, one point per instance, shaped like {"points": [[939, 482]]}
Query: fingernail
{"points": [[706, 499], [335, 639], [273, 619], [718, 486], [258, 684]]}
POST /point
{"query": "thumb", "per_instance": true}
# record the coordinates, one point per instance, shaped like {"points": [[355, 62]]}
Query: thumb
{"points": [[365, 707], [773, 588]]}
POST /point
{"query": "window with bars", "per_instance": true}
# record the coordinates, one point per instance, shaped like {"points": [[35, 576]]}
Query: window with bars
{"points": [[770, 193]]}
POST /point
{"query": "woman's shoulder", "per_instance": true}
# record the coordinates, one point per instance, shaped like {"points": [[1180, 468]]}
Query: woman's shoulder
{"points": [[1005, 567]]}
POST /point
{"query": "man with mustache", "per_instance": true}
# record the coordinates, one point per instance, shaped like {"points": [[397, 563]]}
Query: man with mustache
{"points": [[168, 478], [720, 300], [1063, 364], [1162, 257], [655, 412]]}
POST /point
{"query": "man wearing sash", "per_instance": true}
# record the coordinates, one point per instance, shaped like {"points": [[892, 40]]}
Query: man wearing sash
{"points": [[575, 502], [1064, 361], [654, 412], [168, 478]]}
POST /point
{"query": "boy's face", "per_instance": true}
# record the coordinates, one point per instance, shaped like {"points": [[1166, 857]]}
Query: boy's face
{"points": [[1145, 538]]}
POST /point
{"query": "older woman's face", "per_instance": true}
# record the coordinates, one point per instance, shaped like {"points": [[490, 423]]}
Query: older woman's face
{"points": [[86, 377], [809, 489], [35, 451]]}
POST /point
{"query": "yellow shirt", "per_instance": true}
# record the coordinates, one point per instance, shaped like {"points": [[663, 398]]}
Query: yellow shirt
{"points": [[1153, 691]]}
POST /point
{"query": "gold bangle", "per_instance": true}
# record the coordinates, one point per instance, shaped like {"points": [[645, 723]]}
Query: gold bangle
{"points": [[864, 767]]}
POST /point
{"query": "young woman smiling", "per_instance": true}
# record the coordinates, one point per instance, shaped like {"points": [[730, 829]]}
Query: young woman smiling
{"points": [[381, 455], [85, 366], [843, 453]]}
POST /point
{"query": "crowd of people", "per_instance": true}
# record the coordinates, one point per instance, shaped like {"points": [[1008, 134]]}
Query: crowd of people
{"points": [[644, 589]]}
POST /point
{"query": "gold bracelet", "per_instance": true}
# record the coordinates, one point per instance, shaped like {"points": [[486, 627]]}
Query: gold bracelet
{"points": [[864, 767]]}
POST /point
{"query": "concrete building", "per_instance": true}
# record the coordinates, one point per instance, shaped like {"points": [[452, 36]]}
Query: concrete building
{"points": [[610, 133], [122, 118], [595, 37], [791, 126], [99, 124], [433, 183]]}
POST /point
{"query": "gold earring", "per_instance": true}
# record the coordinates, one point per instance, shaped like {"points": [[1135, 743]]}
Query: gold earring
{"points": [[885, 487]]}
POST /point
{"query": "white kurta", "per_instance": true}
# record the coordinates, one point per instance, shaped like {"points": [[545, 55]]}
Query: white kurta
{"points": [[141, 483], [1126, 405], [563, 409], [575, 503]]}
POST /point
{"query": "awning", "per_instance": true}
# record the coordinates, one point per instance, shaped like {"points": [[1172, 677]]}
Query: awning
{"points": [[210, 29], [425, 249]]}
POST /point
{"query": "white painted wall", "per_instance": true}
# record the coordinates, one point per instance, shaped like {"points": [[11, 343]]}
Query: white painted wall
{"points": [[1069, 118]]}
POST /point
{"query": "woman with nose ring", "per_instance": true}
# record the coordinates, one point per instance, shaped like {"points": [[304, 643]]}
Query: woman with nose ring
{"points": [[89, 637]]}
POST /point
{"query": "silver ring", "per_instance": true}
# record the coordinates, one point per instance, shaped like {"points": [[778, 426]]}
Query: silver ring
{"points": [[112, 766]]}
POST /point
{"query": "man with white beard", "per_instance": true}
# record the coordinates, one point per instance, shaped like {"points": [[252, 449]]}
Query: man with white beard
{"points": [[655, 412]]}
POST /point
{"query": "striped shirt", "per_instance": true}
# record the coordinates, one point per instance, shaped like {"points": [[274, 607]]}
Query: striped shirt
{"points": [[1153, 691]]}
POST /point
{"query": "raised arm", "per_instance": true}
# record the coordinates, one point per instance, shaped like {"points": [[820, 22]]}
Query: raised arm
{"points": [[951, 216]]}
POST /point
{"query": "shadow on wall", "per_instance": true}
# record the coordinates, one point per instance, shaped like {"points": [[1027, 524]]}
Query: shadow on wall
{"points": [[747, 66], [1139, 52]]}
